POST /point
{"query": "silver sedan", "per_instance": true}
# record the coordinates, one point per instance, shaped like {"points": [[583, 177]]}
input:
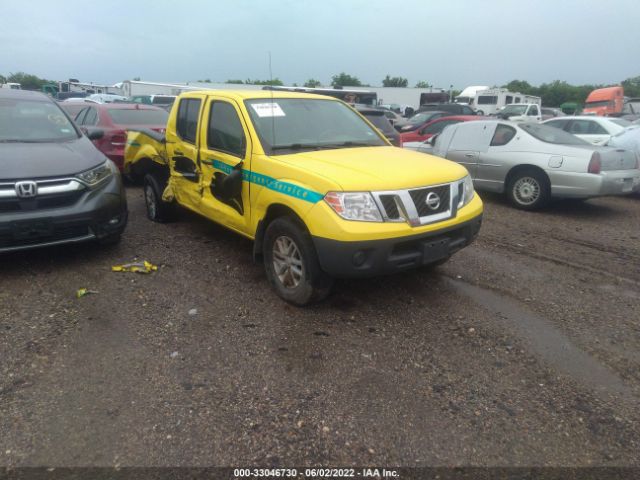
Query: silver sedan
{"points": [[532, 163]]}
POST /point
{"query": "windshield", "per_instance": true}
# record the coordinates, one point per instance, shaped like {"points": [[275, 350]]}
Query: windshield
{"points": [[134, 116], [603, 103], [287, 125], [548, 134], [33, 121], [514, 109], [419, 118]]}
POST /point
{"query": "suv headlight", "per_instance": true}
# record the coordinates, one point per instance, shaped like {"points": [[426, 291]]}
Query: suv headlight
{"points": [[354, 206], [98, 174], [466, 191]]}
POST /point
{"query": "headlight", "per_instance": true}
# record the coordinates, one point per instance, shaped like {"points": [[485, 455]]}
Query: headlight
{"points": [[354, 206], [98, 174], [465, 189]]}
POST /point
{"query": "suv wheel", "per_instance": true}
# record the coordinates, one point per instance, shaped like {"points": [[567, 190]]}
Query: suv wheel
{"points": [[157, 210], [291, 263]]}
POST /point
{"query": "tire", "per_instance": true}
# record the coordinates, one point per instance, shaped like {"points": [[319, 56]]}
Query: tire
{"points": [[287, 245], [529, 189], [479, 112], [157, 210]]}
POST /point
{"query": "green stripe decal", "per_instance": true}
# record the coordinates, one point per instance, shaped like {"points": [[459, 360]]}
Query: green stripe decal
{"points": [[272, 184], [133, 144]]}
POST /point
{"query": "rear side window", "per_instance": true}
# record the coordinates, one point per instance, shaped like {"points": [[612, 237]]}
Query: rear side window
{"points": [[502, 135], [225, 131], [187, 122], [561, 124], [91, 118]]}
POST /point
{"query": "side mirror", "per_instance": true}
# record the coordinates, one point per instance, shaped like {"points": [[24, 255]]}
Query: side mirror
{"points": [[432, 140], [94, 134]]}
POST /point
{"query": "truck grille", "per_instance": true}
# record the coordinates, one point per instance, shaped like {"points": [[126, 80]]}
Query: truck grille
{"points": [[419, 198], [422, 205]]}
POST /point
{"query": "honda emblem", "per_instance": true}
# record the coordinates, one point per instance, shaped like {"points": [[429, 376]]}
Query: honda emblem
{"points": [[26, 189]]}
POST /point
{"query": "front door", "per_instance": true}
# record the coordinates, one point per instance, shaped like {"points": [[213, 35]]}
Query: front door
{"points": [[225, 156], [182, 150]]}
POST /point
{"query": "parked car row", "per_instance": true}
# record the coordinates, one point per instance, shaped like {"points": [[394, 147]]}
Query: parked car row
{"points": [[314, 182]]}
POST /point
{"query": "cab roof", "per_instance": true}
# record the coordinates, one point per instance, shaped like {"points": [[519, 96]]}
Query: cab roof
{"points": [[256, 94]]}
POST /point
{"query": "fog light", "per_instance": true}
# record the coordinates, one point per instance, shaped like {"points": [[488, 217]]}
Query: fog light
{"points": [[359, 258], [114, 220]]}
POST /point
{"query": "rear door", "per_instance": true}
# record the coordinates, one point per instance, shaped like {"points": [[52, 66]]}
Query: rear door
{"points": [[225, 162], [182, 150]]}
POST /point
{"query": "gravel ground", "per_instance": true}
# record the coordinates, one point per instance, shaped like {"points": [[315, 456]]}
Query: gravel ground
{"points": [[523, 350]]}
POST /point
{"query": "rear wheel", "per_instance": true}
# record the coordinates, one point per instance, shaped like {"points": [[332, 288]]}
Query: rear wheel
{"points": [[291, 263], [157, 210], [529, 189]]}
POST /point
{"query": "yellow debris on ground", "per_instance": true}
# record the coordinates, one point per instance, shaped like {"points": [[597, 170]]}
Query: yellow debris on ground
{"points": [[137, 267]]}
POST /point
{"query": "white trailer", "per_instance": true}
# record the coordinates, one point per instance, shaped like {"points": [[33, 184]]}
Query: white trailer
{"points": [[491, 101], [468, 95], [11, 85]]}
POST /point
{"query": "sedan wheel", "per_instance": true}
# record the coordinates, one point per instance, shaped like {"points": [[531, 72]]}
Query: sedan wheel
{"points": [[526, 190]]}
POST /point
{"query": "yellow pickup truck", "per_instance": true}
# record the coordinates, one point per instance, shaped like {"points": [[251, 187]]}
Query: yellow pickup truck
{"points": [[320, 191]]}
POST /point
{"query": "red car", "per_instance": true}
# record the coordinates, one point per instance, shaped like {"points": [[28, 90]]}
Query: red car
{"points": [[435, 127], [114, 119]]}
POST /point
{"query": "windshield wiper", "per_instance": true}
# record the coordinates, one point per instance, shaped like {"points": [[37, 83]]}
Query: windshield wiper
{"points": [[347, 144], [297, 146]]}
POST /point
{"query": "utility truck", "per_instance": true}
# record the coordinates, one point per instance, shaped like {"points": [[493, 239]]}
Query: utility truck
{"points": [[320, 191]]}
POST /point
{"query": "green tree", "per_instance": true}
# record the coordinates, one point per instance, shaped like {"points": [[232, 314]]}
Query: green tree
{"points": [[275, 81], [345, 80], [423, 84], [312, 83], [3, 79], [520, 86], [394, 82], [27, 81], [631, 86], [237, 82]]}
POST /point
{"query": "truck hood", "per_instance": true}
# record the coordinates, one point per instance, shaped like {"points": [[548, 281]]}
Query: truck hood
{"points": [[377, 168], [51, 159]]}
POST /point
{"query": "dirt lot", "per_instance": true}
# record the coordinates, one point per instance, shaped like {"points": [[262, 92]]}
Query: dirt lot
{"points": [[523, 350]]}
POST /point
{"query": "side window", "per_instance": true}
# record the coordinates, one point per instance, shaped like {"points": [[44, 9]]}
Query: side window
{"points": [[533, 110], [596, 129], [187, 121], [502, 135], [91, 117], [509, 99], [557, 124], [80, 116], [579, 127], [225, 131], [467, 111], [517, 100]]}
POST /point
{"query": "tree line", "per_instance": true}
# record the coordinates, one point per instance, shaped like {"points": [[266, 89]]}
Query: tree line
{"points": [[553, 94]]}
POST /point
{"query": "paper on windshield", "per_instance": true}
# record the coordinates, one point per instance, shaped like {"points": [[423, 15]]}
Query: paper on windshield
{"points": [[271, 109]]}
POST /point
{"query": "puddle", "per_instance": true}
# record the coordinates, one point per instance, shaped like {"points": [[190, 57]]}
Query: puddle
{"points": [[546, 341]]}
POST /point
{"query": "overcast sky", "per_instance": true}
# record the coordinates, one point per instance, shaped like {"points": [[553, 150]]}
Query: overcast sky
{"points": [[458, 42]]}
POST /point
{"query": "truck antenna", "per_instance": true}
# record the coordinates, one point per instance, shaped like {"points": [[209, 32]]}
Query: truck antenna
{"points": [[273, 120]]}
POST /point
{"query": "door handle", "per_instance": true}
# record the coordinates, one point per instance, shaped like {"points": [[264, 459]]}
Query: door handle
{"points": [[178, 152], [469, 155]]}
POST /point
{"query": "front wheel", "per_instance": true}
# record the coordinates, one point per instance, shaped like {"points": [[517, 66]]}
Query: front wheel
{"points": [[157, 210], [291, 263], [529, 189]]}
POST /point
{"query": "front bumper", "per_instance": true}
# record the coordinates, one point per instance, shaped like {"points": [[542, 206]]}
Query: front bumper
{"points": [[380, 257], [96, 214]]}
